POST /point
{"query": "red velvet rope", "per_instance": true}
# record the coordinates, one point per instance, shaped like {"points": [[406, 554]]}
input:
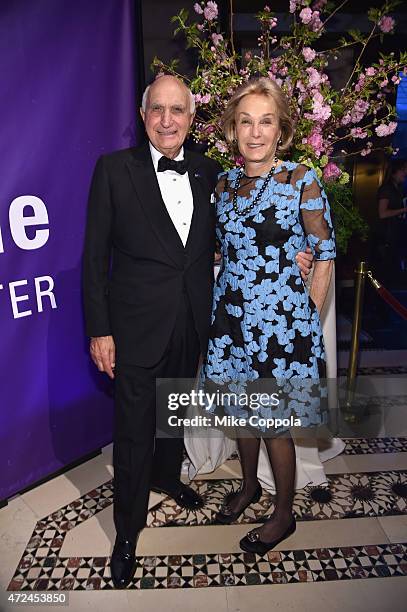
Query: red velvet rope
{"points": [[391, 301]]}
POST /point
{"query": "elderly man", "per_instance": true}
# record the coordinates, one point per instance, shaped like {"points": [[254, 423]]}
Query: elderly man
{"points": [[148, 272]]}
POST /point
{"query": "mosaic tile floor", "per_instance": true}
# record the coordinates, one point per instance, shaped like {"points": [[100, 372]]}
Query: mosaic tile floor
{"points": [[205, 570], [371, 494], [347, 495]]}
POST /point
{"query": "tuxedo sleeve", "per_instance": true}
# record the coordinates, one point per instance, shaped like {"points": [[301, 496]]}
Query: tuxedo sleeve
{"points": [[97, 253]]}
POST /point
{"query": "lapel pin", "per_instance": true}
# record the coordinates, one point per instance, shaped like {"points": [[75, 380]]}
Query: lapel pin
{"points": [[197, 174]]}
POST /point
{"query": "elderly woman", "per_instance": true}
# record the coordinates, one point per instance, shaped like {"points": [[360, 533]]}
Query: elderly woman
{"points": [[265, 324]]}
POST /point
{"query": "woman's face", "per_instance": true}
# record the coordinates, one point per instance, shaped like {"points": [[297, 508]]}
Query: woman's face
{"points": [[257, 128]]}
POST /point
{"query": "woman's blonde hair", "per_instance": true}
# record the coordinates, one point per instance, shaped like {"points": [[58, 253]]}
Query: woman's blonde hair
{"points": [[266, 87]]}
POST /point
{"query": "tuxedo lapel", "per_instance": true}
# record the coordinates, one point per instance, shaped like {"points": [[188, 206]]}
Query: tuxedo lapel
{"points": [[145, 183]]}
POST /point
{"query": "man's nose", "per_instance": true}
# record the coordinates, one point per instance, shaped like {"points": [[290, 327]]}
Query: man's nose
{"points": [[166, 117]]}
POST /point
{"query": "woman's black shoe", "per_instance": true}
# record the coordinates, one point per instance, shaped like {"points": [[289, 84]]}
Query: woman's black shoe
{"points": [[252, 543], [226, 514]]}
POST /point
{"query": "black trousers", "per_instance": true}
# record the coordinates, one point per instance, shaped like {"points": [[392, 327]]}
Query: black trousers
{"points": [[139, 458]]}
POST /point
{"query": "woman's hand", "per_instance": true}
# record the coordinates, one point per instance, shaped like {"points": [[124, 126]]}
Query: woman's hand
{"points": [[304, 261]]}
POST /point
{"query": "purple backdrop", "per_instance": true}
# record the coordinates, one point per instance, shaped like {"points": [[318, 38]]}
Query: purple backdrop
{"points": [[67, 94]]}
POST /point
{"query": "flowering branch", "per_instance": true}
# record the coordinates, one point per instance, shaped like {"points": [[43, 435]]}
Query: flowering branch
{"points": [[355, 118]]}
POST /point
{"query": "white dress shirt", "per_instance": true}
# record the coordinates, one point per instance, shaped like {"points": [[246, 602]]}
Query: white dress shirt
{"points": [[177, 194]]}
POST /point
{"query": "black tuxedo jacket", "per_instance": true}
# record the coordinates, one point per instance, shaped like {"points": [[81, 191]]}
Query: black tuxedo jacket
{"points": [[135, 267]]}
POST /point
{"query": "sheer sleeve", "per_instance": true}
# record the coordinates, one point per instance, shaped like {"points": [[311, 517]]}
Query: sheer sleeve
{"points": [[316, 217], [221, 185]]}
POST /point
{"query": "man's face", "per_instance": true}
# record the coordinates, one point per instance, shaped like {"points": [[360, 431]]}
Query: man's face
{"points": [[167, 117]]}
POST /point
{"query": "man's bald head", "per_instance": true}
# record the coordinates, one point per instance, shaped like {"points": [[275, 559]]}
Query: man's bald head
{"points": [[168, 78], [167, 110]]}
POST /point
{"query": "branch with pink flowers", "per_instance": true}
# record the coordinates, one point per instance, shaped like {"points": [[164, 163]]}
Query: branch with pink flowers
{"points": [[331, 125]]}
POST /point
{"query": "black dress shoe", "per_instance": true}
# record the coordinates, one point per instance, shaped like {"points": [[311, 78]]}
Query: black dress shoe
{"points": [[252, 543], [123, 563], [182, 494], [227, 516]]}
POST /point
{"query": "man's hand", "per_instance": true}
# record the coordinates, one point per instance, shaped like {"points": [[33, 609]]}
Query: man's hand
{"points": [[304, 261], [103, 353]]}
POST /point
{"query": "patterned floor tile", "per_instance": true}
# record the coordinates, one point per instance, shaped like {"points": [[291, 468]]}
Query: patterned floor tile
{"points": [[227, 569], [364, 494], [372, 494], [373, 446]]}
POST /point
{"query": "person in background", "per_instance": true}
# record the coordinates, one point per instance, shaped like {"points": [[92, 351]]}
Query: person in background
{"points": [[391, 224]]}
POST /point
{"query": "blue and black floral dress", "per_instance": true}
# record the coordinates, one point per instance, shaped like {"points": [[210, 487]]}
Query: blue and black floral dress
{"points": [[264, 324]]}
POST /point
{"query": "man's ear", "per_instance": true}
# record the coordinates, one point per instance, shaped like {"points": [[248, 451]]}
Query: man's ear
{"points": [[143, 114], [192, 118]]}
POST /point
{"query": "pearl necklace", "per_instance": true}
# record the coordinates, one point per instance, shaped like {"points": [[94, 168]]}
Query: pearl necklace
{"points": [[258, 196]]}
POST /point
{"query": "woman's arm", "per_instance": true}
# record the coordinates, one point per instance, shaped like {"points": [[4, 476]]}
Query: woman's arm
{"points": [[320, 282], [385, 212]]}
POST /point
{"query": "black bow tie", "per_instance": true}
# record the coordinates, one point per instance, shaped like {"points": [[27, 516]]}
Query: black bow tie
{"points": [[165, 163]]}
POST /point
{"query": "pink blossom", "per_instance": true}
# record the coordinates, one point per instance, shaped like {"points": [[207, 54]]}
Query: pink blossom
{"points": [[331, 172], [316, 141], [370, 71], [217, 38], [306, 15], [395, 79], [320, 111], [221, 146], [272, 22], [385, 130], [361, 82], [200, 27], [267, 9], [357, 113], [367, 150], [211, 11], [358, 133], [315, 23], [309, 54], [384, 83], [202, 99], [294, 4], [314, 77], [198, 9], [386, 24]]}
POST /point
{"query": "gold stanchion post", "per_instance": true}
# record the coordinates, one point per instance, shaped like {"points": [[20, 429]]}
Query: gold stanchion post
{"points": [[360, 277]]}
